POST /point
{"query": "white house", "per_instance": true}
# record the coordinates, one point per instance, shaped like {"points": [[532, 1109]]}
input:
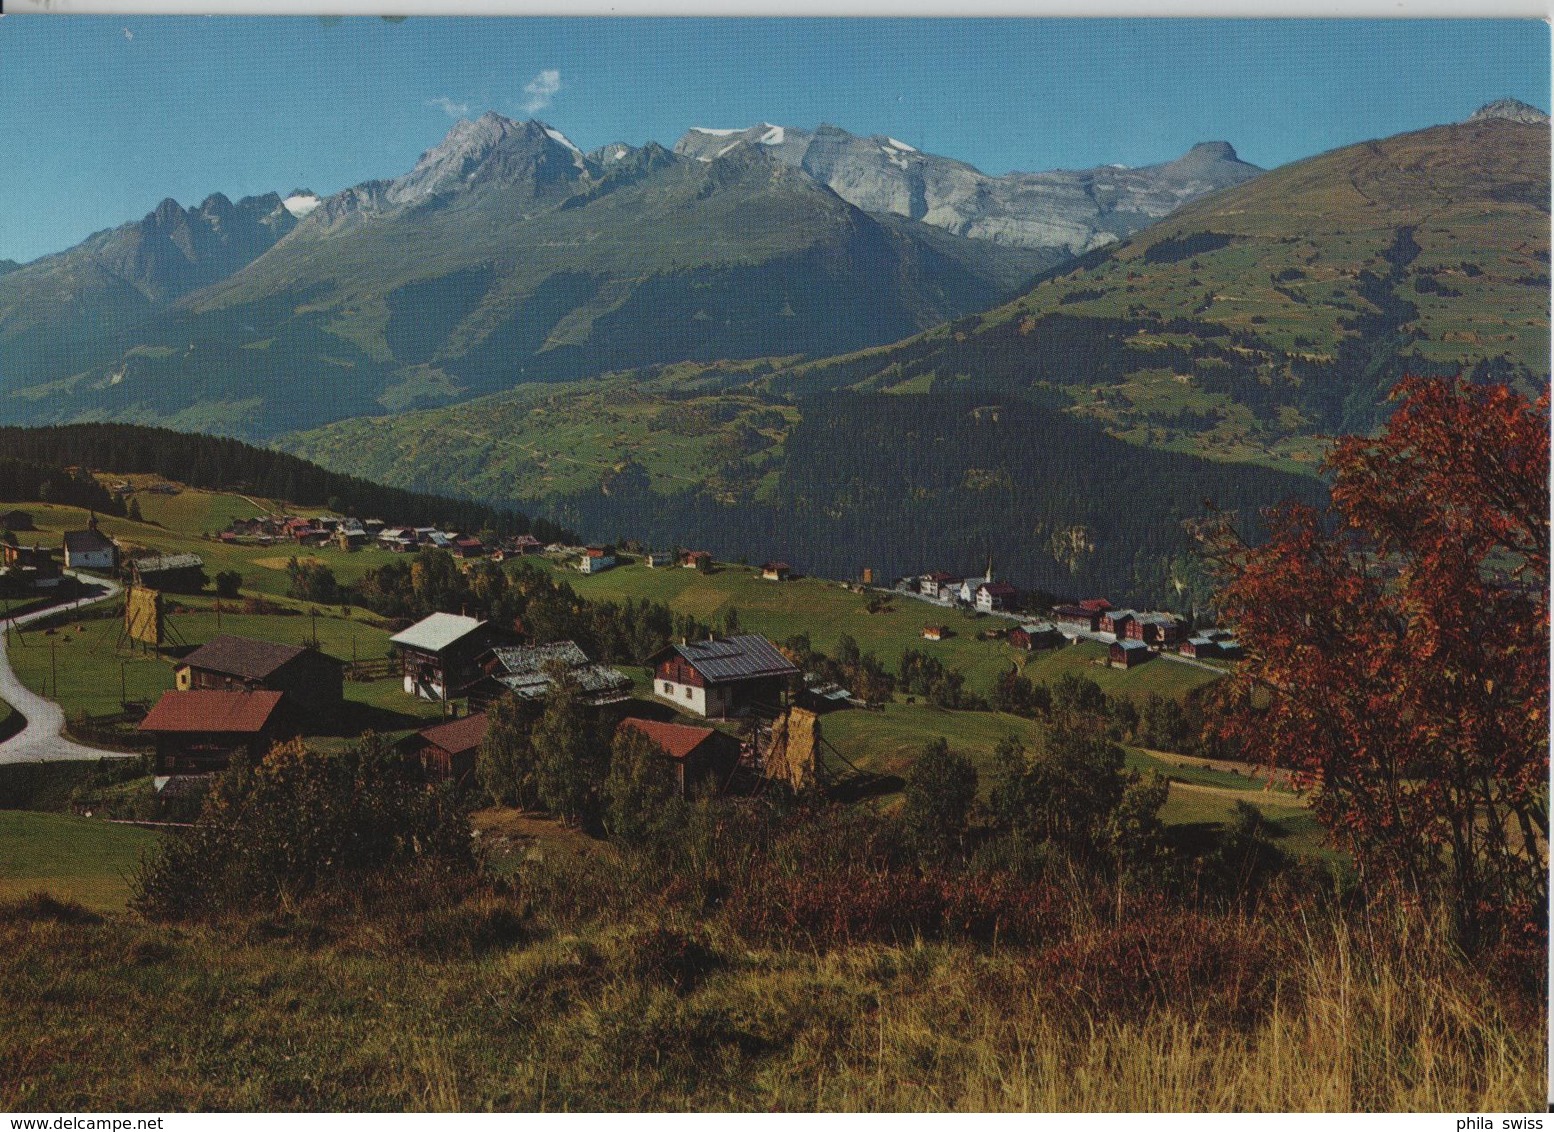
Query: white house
{"points": [[89, 550]]}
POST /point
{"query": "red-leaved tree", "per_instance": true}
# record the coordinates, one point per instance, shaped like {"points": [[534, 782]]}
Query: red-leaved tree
{"points": [[1398, 649]]}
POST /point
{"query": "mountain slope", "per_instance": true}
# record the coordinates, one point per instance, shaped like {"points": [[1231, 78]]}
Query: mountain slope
{"points": [[507, 256], [59, 313], [1069, 211], [1263, 316]]}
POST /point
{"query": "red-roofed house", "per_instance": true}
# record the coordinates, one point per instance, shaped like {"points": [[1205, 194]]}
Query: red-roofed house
{"points": [[198, 732], [700, 754]]}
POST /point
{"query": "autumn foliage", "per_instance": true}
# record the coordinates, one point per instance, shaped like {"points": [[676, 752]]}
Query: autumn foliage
{"points": [[1398, 650]]}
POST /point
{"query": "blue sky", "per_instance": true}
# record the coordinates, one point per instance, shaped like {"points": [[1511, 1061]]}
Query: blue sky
{"points": [[101, 117]]}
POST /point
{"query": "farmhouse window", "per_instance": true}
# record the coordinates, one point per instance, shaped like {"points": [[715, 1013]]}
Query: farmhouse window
{"points": [[668, 687], [687, 693]]}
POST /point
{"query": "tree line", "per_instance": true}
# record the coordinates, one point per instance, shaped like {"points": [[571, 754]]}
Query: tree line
{"points": [[221, 464]]}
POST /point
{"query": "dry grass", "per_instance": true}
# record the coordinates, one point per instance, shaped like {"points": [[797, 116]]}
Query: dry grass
{"points": [[448, 1012]]}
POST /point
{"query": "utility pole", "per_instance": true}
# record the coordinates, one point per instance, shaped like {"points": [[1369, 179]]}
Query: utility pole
{"points": [[123, 688], [54, 665]]}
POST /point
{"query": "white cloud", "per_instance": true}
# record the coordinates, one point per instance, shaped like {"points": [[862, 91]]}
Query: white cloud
{"points": [[541, 89], [129, 35], [448, 106]]}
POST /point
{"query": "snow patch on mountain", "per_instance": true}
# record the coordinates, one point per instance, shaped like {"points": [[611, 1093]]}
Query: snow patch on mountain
{"points": [[714, 133], [558, 136]]}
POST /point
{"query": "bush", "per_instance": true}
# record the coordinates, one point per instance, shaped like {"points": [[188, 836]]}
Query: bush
{"points": [[297, 822]]}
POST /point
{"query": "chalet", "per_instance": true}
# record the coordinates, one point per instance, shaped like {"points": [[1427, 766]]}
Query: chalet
{"points": [[373, 526], [775, 571], [423, 535], [468, 546], [171, 573], [1096, 605], [351, 538], [1076, 618], [438, 540], [448, 750], [1212, 643], [312, 680], [700, 754], [1126, 654], [1115, 622], [439, 654], [1035, 635], [198, 732], [656, 559], [938, 585], [935, 632], [16, 521], [398, 539], [698, 560], [596, 559], [992, 596], [528, 544], [1157, 630], [528, 673], [723, 677]]}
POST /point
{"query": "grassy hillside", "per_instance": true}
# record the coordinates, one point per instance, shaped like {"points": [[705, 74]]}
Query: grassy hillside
{"points": [[1257, 319], [77, 859]]}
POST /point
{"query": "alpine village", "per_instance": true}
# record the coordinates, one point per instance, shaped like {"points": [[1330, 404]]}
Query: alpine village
{"points": [[692, 629]]}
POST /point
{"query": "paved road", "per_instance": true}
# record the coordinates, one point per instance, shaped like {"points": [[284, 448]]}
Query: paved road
{"points": [[43, 738]]}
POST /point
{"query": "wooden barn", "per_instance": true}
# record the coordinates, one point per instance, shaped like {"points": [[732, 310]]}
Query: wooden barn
{"points": [[1115, 621], [169, 573], [699, 754], [313, 681], [1157, 630], [198, 732], [448, 750], [1076, 618], [775, 571], [1128, 654], [725, 677], [1035, 635]]}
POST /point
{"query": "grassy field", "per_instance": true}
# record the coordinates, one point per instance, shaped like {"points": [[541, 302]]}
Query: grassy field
{"points": [[70, 858], [92, 674], [827, 611]]}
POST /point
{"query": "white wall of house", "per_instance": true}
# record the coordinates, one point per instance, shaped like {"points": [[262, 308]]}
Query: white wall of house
{"points": [[709, 703], [89, 559]]}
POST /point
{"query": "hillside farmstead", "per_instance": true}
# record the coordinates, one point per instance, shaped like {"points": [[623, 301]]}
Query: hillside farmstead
{"points": [[720, 678], [440, 654], [310, 679]]}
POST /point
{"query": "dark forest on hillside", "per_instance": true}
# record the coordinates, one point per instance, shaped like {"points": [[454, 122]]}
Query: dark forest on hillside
{"points": [[906, 484], [220, 463]]}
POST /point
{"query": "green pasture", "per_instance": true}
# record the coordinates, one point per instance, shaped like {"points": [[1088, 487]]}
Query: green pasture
{"points": [[827, 611], [70, 858]]}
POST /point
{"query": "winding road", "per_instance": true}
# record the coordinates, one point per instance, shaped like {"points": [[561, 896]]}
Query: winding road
{"points": [[43, 736]]}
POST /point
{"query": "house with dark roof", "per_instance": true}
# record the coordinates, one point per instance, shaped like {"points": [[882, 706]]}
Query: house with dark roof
{"points": [[448, 750], [16, 521], [90, 549], [1157, 630], [1076, 618], [440, 654], [170, 573], [992, 596], [312, 680], [724, 677], [1035, 635], [1126, 654], [698, 754], [1115, 622], [529, 672], [198, 732], [775, 571]]}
